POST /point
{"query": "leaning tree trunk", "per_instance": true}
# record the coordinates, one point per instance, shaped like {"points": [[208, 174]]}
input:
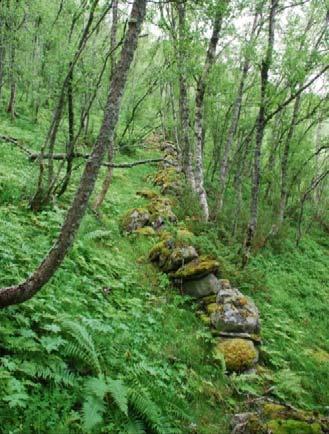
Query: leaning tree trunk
{"points": [[26, 290], [199, 108], [109, 174], [260, 129]]}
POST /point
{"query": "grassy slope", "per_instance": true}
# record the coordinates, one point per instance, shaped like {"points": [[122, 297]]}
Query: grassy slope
{"points": [[155, 332], [156, 338]]}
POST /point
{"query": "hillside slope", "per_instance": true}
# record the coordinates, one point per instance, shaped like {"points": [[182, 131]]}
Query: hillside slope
{"points": [[109, 310]]}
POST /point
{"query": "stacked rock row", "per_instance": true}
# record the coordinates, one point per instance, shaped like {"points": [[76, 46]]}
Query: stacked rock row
{"points": [[150, 219], [169, 177], [233, 317], [153, 217]]}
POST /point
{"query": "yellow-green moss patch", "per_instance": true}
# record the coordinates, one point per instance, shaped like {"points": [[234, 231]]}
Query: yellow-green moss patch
{"points": [[239, 354], [197, 268]]}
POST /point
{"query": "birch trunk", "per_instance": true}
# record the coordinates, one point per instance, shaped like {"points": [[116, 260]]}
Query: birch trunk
{"points": [[260, 128], [183, 98], [224, 167], [199, 109], [284, 165]]}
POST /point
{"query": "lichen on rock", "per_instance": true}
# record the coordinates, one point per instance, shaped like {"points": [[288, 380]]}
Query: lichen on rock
{"points": [[238, 314]]}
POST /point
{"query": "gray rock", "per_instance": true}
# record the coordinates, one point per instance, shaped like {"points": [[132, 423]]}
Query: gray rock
{"points": [[202, 287], [237, 313], [179, 257], [135, 219]]}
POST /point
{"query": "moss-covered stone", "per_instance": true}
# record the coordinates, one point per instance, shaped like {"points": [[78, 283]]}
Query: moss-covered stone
{"points": [[197, 268], [202, 287], [146, 231], [212, 308], [291, 426], [179, 256], [169, 180], [161, 212], [134, 219], [148, 194], [239, 354], [161, 249], [209, 299]]}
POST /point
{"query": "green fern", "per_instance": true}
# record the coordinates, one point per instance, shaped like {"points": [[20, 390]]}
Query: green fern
{"points": [[83, 346], [134, 426], [92, 410]]}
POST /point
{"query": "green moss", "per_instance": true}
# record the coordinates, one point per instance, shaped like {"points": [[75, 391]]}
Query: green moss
{"points": [[291, 426], [163, 248], [197, 268], [210, 299], [213, 308], [239, 354], [148, 194], [147, 231]]}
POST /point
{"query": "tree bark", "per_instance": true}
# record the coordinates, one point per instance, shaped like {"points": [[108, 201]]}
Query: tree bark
{"points": [[284, 164], [12, 97], [109, 174], [183, 98], [70, 144], [199, 108], [26, 290], [260, 128], [224, 167], [43, 193]]}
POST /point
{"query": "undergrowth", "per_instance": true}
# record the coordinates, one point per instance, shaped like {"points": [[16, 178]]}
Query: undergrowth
{"points": [[108, 346]]}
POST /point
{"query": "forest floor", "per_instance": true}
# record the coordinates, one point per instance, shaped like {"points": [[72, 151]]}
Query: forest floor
{"points": [[107, 285]]}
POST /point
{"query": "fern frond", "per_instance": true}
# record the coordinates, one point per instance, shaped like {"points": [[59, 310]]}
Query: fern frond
{"points": [[92, 410], [96, 386], [119, 394], [148, 411], [134, 426], [83, 346]]}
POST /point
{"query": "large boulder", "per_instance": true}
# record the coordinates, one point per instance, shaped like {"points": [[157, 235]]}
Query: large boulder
{"points": [[204, 287], [196, 269], [135, 218], [234, 312], [239, 354]]}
